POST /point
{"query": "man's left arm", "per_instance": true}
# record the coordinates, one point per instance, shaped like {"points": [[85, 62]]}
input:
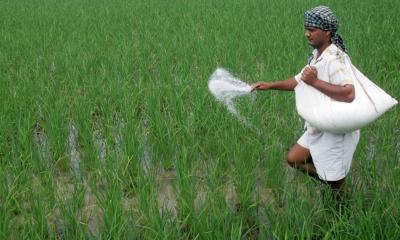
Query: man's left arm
{"points": [[340, 93]]}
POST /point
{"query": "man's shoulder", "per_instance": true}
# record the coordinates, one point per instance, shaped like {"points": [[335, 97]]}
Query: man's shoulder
{"points": [[335, 55]]}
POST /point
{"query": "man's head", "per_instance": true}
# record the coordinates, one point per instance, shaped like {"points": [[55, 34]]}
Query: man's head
{"points": [[321, 25], [317, 37]]}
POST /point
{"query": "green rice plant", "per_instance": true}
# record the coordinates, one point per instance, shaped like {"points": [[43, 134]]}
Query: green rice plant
{"points": [[136, 74]]}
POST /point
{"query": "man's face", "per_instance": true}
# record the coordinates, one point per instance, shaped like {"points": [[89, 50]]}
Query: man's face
{"points": [[317, 37]]}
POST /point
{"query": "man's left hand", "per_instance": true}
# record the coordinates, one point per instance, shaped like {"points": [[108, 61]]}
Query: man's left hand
{"points": [[309, 75]]}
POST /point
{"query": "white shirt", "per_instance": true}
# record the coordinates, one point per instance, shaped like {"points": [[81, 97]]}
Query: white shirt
{"points": [[330, 67]]}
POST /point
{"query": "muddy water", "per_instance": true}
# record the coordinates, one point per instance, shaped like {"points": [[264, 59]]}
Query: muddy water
{"points": [[73, 151], [98, 137], [41, 141], [145, 142], [166, 192], [231, 197], [91, 214], [119, 126]]}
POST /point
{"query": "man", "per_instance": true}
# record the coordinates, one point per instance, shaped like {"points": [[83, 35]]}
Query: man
{"points": [[323, 155]]}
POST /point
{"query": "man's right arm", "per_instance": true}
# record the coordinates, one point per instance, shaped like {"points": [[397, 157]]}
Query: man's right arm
{"points": [[285, 85]]}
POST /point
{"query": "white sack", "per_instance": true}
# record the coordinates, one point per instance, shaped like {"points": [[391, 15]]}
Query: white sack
{"points": [[326, 114]]}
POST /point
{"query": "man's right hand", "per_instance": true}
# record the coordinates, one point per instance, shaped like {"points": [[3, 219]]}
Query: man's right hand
{"points": [[260, 86]]}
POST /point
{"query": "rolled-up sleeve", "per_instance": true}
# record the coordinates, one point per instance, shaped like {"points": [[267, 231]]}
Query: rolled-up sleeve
{"points": [[298, 76]]}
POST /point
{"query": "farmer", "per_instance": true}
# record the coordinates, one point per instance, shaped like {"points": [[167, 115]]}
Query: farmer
{"points": [[323, 155]]}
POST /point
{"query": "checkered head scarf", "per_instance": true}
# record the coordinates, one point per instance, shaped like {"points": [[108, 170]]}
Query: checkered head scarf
{"points": [[323, 18]]}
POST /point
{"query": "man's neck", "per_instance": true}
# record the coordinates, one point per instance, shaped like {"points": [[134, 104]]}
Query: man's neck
{"points": [[322, 48]]}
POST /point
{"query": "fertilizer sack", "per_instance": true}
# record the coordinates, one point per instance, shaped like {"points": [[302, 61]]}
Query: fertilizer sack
{"points": [[326, 114]]}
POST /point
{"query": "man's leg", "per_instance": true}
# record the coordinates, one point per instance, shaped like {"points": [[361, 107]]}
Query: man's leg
{"points": [[338, 188], [300, 158]]}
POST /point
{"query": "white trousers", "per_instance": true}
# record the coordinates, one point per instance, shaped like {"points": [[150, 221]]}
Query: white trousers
{"points": [[332, 153]]}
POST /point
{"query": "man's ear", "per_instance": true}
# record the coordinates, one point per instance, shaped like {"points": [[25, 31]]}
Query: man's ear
{"points": [[328, 34]]}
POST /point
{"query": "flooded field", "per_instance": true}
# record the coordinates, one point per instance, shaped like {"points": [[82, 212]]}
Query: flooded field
{"points": [[109, 131]]}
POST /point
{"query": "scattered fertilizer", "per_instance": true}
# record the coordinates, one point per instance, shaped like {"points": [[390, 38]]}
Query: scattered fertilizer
{"points": [[226, 88]]}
